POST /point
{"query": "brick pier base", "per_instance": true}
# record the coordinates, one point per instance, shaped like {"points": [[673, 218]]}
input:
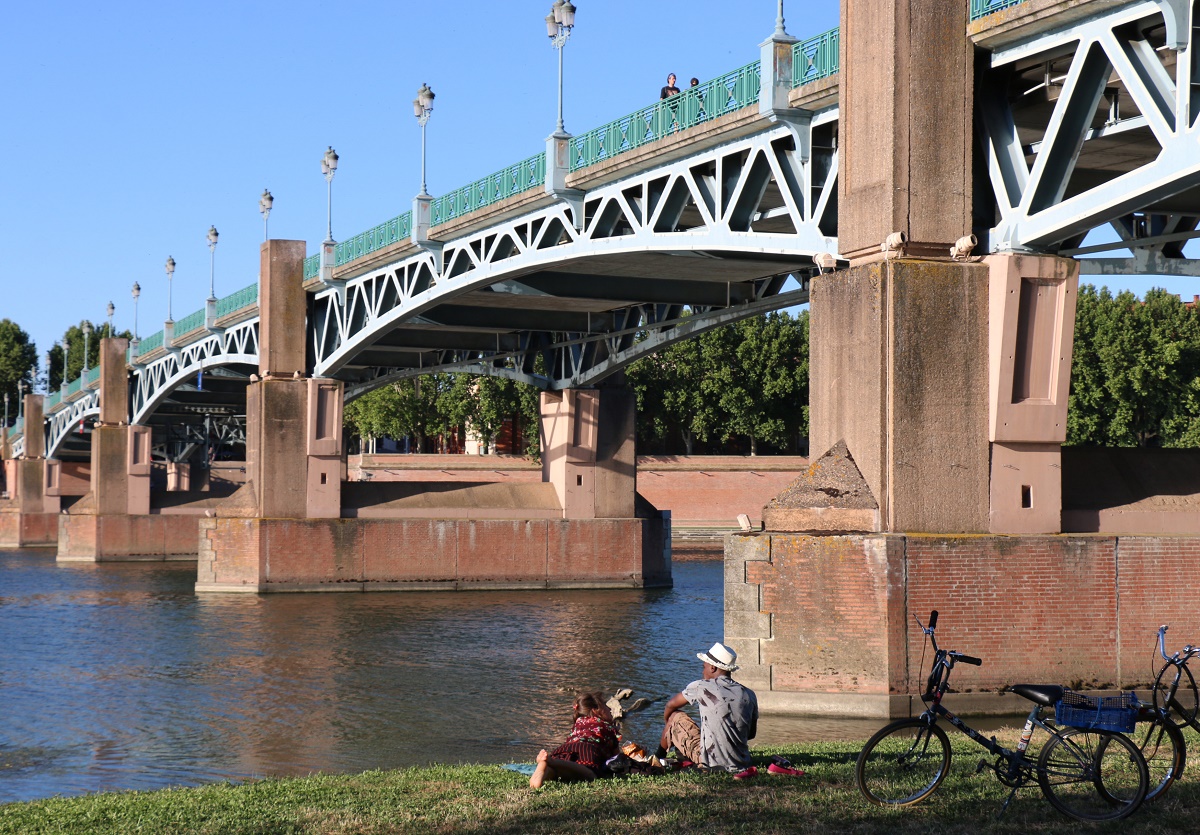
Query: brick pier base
{"points": [[28, 530], [824, 624], [119, 537], [334, 555]]}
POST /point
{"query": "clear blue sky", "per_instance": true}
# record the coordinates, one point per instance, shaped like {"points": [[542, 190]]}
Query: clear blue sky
{"points": [[133, 126]]}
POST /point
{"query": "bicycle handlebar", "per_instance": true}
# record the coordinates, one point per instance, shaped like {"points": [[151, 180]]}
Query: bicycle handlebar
{"points": [[1188, 650], [933, 619], [968, 659]]}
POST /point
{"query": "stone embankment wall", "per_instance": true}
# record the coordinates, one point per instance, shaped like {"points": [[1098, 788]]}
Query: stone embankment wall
{"points": [[701, 491], [825, 623]]}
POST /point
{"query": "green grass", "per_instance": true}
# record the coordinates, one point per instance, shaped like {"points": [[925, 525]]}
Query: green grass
{"points": [[487, 799]]}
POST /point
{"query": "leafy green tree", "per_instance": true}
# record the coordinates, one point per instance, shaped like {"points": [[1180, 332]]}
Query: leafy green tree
{"points": [[18, 362], [759, 377], [670, 400], [1136, 371], [73, 339]]}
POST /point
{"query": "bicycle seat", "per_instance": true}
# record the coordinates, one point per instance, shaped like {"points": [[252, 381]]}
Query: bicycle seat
{"points": [[1042, 694]]}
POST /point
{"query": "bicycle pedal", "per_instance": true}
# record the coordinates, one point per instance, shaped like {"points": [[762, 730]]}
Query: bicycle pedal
{"points": [[983, 766]]}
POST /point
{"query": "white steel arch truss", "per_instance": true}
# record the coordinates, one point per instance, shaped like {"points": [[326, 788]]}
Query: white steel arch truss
{"points": [[1121, 142], [60, 423], [758, 196], [154, 381]]}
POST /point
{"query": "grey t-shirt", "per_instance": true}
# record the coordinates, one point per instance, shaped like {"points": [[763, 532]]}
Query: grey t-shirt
{"points": [[728, 718]]}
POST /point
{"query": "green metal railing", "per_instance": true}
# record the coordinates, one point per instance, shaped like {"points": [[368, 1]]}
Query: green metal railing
{"points": [[393, 231], [73, 387], [92, 375], [813, 59], [17, 428], [51, 401], [150, 343], [983, 8], [312, 266], [693, 106], [246, 297], [493, 188], [817, 58], [189, 323]]}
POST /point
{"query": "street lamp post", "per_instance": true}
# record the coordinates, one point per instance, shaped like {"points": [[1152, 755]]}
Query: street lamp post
{"points": [[559, 24], [264, 207], [137, 291], [47, 372], [66, 358], [329, 164], [423, 109], [87, 334], [422, 203], [21, 391], [212, 255], [170, 274], [111, 310]]}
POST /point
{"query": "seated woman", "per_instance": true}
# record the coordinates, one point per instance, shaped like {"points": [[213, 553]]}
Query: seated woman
{"points": [[592, 741]]}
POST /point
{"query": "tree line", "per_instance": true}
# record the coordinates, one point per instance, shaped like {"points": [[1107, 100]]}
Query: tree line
{"points": [[743, 388]]}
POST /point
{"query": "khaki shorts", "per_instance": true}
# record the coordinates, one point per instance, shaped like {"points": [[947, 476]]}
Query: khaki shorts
{"points": [[684, 734]]}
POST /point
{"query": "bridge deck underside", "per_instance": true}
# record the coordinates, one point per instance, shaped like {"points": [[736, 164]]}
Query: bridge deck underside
{"points": [[587, 298]]}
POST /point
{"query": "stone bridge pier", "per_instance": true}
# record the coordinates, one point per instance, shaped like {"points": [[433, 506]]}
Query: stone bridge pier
{"points": [[939, 385], [294, 527], [113, 521], [29, 516]]}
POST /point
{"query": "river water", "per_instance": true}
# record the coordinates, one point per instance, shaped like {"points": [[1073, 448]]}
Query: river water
{"points": [[117, 676]]}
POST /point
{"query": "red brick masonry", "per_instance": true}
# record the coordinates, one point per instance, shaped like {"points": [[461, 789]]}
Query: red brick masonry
{"points": [[265, 555], [834, 614], [28, 530]]}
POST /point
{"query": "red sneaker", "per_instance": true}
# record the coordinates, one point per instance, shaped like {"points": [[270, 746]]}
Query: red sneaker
{"points": [[747, 774], [783, 769]]}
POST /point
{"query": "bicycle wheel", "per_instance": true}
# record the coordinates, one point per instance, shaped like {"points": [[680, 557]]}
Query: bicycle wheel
{"points": [[903, 763], [1175, 691], [1092, 775], [1163, 748]]}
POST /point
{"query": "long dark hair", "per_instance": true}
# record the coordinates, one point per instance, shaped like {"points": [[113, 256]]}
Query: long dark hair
{"points": [[587, 703]]}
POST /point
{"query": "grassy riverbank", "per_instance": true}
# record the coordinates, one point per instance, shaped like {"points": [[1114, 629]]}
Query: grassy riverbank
{"points": [[487, 799]]}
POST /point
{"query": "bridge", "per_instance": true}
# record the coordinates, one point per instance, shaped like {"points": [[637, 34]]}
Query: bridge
{"points": [[1017, 143]]}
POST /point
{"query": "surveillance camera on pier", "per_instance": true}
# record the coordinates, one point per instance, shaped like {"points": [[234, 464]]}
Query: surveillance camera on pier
{"points": [[963, 247], [826, 261]]}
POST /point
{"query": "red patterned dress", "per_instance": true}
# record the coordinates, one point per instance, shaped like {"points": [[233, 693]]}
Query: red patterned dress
{"points": [[592, 742]]}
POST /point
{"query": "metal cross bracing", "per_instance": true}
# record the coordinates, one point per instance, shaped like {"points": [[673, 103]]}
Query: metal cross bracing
{"points": [[716, 233], [1094, 124], [72, 417], [181, 441], [159, 376]]}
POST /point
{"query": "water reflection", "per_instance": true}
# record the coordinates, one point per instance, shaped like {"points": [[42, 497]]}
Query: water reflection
{"points": [[118, 677]]}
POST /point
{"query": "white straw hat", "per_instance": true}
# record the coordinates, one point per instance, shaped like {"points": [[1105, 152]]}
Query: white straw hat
{"points": [[721, 657]]}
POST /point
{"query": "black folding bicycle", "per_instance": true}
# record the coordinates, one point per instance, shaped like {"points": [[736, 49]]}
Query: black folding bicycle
{"points": [[1088, 773]]}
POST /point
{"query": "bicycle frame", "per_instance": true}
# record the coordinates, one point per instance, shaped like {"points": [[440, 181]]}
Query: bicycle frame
{"points": [[939, 679], [935, 689]]}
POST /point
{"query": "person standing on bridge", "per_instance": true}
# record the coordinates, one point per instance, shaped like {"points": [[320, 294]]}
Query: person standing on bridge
{"points": [[670, 89], [728, 717]]}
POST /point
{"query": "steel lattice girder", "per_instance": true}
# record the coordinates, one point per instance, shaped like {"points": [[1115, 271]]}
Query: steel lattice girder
{"points": [[60, 422], [154, 381], [1121, 135], [718, 230]]}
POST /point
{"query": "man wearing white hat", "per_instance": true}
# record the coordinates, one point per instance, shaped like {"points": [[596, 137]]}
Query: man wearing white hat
{"points": [[728, 716]]}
